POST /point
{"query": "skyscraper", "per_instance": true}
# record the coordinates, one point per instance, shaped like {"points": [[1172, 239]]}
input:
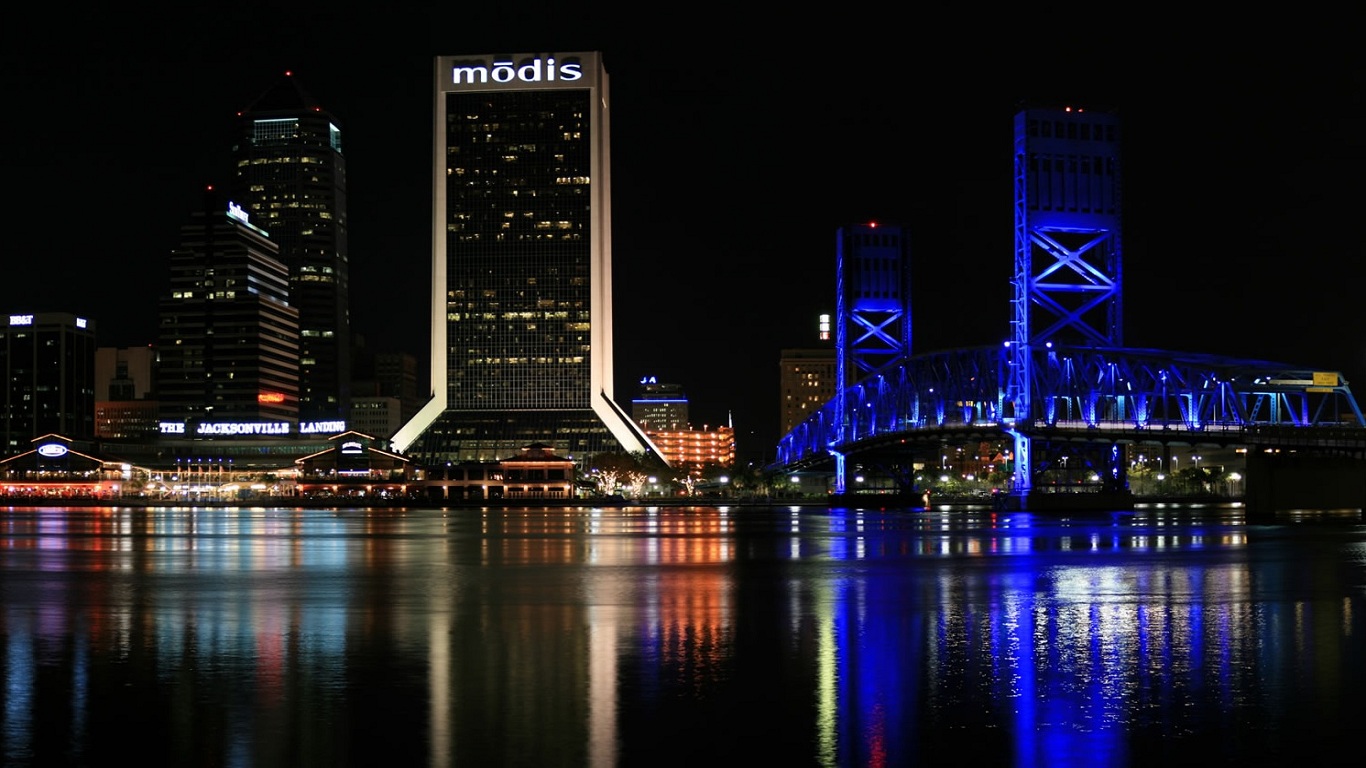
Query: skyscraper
{"points": [[49, 364], [521, 336], [228, 336], [291, 179]]}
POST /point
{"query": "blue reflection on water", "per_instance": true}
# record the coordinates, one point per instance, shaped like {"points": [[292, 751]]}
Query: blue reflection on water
{"points": [[664, 635]]}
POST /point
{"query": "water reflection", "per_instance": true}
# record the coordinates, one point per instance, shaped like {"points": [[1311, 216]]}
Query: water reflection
{"points": [[621, 636]]}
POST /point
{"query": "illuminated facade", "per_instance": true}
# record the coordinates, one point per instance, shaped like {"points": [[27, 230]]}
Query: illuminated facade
{"points": [[228, 339], [49, 364], [660, 407], [291, 179], [695, 449], [521, 327]]}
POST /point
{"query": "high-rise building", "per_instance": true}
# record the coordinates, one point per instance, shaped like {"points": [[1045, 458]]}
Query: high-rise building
{"points": [[521, 336], [125, 392], [660, 407], [229, 338], [806, 382], [49, 364], [291, 179]]}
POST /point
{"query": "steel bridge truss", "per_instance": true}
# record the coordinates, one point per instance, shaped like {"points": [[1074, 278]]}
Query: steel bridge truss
{"points": [[1114, 389]]}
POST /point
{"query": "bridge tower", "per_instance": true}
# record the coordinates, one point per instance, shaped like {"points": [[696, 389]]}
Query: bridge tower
{"points": [[872, 311], [1068, 268]]}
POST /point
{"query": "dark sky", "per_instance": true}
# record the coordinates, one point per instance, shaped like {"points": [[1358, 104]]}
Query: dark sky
{"points": [[740, 146]]}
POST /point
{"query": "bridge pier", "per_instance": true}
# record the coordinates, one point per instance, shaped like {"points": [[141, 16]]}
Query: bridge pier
{"points": [[1280, 481]]}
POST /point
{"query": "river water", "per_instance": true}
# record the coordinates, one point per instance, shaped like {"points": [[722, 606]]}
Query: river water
{"points": [[645, 636]]}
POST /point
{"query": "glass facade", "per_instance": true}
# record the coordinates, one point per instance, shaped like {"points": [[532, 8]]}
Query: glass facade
{"points": [[291, 178], [49, 365], [519, 275], [228, 335], [523, 261]]}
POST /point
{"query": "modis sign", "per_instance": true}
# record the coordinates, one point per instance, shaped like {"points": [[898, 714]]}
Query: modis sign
{"points": [[521, 69]]}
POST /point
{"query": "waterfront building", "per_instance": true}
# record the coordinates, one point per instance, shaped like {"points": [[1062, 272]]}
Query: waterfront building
{"points": [[694, 450], [354, 465], [521, 305], [660, 407], [54, 467], [49, 363], [290, 176], [228, 338]]}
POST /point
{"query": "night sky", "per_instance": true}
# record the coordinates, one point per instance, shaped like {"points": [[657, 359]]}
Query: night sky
{"points": [[739, 146]]}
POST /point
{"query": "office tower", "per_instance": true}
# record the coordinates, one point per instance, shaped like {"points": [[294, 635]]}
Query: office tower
{"points": [[806, 382], [521, 336], [49, 364], [291, 179], [660, 407], [376, 415], [229, 339], [125, 398], [396, 375]]}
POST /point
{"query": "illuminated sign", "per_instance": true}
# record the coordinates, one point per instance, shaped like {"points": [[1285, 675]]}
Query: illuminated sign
{"points": [[235, 212], [648, 380], [313, 427], [351, 446], [80, 322], [231, 428], [270, 397], [21, 319], [52, 450], [244, 428], [532, 70]]}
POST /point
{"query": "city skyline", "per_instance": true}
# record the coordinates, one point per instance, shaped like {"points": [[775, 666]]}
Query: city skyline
{"points": [[734, 166]]}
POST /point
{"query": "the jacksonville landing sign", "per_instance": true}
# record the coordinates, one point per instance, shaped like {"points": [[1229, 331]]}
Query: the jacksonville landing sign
{"points": [[520, 70], [253, 428]]}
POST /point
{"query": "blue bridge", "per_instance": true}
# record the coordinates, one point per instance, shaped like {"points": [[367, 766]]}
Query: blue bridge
{"points": [[1088, 403], [1063, 387]]}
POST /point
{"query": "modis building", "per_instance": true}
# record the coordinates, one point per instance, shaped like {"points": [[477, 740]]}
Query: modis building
{"points": [[521, 325]]}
